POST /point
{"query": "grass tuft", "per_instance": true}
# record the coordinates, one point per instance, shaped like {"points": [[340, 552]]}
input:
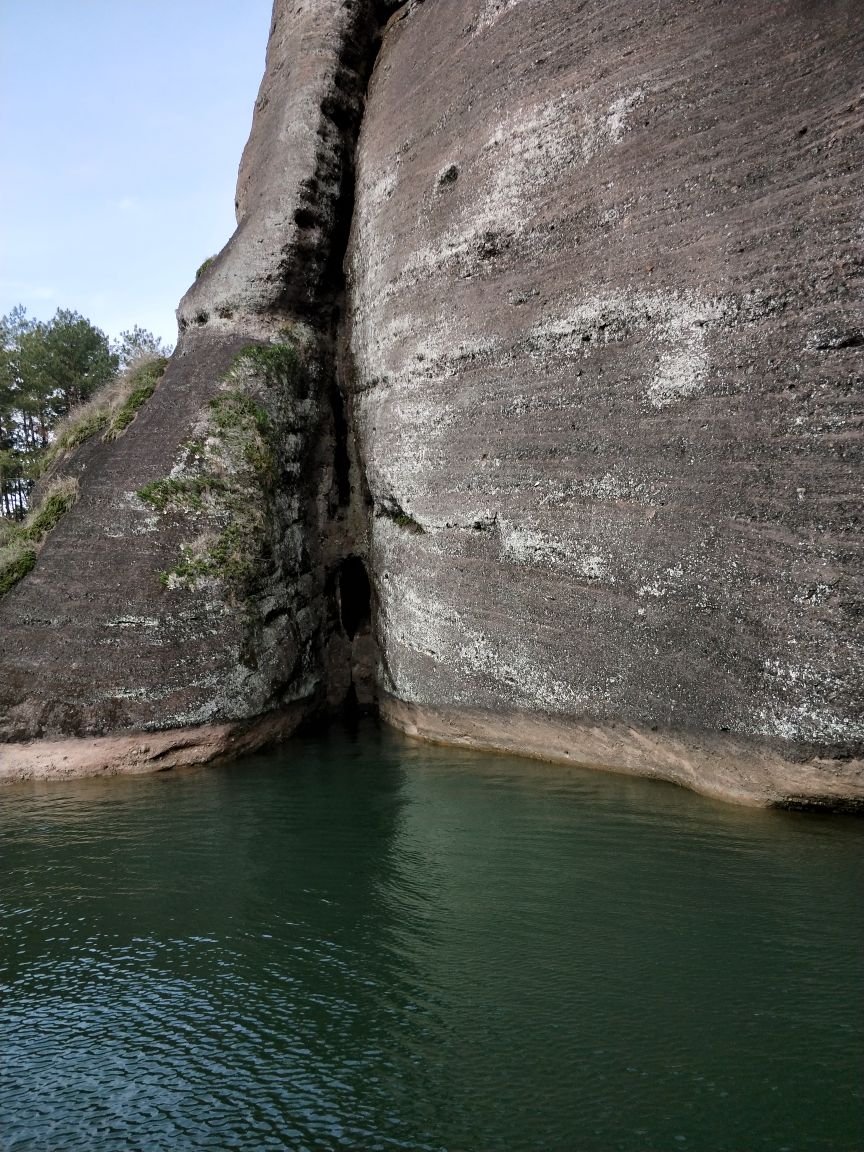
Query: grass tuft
{"points": [[142, 380], [15, 563], [20, 542], [110, 410]]}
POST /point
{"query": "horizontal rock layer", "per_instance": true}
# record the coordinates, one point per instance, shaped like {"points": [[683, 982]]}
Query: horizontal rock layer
{"points": [[606, 299]]}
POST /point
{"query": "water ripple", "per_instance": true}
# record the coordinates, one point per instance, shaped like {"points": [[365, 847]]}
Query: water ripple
{"points": [[360, 943]]}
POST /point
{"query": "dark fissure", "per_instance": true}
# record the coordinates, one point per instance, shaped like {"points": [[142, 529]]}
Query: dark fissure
{"points": [[355, 596], [350, 652]]}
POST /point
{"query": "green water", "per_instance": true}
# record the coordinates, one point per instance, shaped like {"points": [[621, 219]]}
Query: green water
{"points": [[361, 943]]}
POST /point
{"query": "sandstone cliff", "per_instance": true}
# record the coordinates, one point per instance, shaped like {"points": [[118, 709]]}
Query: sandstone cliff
{"points": [[558, 451]]}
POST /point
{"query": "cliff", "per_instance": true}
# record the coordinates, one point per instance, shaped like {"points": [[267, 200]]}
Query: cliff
{"points": [[524, 402]]}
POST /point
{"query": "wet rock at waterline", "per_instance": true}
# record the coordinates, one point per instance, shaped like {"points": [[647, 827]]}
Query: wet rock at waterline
{"points": [[565, 462]]}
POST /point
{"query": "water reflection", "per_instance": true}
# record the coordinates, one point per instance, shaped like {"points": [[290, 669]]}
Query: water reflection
{"points": [[366, 943]]}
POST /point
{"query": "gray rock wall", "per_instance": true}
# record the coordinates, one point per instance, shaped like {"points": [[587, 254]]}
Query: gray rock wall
{"points": [[607, 321], [587, 410]]}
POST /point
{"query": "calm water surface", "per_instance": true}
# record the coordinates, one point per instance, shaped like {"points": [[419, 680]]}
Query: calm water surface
{"points": [[359, 943]]}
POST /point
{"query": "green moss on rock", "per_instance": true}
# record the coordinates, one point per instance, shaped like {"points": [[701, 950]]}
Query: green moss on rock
{"points": [[20, 542], [400, 517], [226, 474]]}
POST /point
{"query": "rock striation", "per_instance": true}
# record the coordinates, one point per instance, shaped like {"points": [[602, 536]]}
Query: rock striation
{"points": [[525, 402]]}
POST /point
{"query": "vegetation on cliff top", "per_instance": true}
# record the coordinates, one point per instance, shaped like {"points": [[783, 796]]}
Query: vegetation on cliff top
{"points": [[110, 410], [61, 382], [20, 541], [203, 266]]}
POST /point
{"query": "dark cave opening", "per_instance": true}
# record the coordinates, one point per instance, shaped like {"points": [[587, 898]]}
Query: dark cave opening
{"points": [[355, 595]]}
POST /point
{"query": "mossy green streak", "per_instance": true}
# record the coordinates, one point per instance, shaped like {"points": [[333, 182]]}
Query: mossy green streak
{"points": [[227, 472]]}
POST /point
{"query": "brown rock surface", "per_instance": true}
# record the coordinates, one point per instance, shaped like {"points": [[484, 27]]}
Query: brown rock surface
{"points": [[589, 412], [138, 753], [606, 277]]}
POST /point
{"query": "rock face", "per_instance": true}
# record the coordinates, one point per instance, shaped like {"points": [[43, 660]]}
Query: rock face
{"points": [[253, 520], [586, 412], [606, 298]]}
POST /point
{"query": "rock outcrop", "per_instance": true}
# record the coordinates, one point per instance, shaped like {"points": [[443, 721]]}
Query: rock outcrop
{"points": [[203, 575], [569, 465]]}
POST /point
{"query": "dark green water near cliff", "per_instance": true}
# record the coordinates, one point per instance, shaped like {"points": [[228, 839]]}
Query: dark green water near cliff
{"points": [[360, 943]]}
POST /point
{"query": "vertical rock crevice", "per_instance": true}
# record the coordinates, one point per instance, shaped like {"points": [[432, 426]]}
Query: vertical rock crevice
{"points": [[351, 653], [285, 267]]}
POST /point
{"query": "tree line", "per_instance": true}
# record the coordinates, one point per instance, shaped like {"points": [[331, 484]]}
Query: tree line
{"points": [[48, 368]]}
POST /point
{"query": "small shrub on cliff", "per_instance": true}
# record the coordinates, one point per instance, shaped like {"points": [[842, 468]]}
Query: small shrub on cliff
{"points": [[111, 410], [20, 542], [141, 378], [273, 363], [400, 517], [226, 479], [225, 476]]}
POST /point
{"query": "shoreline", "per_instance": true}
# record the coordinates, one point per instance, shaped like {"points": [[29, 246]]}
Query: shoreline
{"points": [[734, 769], [138, 753]]}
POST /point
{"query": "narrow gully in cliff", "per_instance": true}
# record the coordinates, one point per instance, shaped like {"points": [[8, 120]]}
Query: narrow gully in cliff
{"points": [[349, 589]]}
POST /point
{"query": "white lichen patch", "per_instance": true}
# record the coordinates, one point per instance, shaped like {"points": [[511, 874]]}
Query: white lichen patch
{"points": [[398, 357], [528, 153], [802, 707], [134, 622], [372, 247], [522, 545], [145, 522], [415, 623], [381, 189], [605, 129], [235, 691], [661, 583], [403, 465], [813, 596], [493, 10], [679, 322]]}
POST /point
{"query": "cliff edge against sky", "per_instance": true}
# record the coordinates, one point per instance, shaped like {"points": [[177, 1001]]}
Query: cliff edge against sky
{"points": [[524, 403]]}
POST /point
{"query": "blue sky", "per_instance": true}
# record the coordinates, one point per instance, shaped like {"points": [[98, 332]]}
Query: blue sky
{"points": [[121, 128]]}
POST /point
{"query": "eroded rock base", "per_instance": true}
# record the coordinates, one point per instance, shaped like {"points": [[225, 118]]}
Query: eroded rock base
{"points": [[136, 753], [724, 767]]}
